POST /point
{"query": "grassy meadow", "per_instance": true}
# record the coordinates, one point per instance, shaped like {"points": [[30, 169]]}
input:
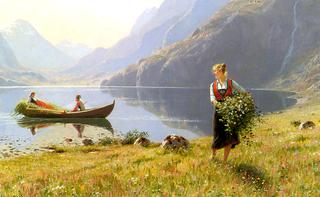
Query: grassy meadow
{"points": [[281, 160]]}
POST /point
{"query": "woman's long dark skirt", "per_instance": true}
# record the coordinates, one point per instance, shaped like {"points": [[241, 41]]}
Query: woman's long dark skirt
{"points": [[222, 138]]}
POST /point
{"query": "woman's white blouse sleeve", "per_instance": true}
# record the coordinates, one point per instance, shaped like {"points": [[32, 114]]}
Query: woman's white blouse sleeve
{"points": [[212, 97]]}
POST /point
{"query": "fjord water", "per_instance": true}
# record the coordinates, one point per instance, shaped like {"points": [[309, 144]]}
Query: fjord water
{"points": [[159, 111]]}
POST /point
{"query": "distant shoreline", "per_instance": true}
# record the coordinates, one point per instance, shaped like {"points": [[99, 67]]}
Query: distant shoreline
{"points": [[146, 87]]}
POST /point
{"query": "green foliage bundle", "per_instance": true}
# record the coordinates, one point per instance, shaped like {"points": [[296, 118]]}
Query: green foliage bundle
{"points": [[133, 135], [238, 114], [23, 105]]}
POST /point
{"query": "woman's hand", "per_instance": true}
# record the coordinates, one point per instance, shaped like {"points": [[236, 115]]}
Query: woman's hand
{"points": [[214, 102]]}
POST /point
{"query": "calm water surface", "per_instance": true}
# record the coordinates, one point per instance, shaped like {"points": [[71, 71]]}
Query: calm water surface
{"points": [[159, 111]]}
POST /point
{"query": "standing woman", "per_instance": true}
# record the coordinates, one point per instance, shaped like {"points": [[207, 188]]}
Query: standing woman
{"points": [[221, 88]]}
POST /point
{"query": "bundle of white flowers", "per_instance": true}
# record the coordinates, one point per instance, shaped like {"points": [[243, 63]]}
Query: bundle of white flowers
{"points": [[238, 114]]}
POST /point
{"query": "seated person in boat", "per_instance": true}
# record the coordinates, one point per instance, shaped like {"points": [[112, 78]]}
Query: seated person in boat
{"points": [[79, 104], [34, 100]]}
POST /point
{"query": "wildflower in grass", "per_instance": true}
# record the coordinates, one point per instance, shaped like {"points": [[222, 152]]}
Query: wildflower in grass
{"points": [[59, 187]]}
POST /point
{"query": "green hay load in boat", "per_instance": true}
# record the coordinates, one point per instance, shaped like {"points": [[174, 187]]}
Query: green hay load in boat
{"points": [[23, 105]]}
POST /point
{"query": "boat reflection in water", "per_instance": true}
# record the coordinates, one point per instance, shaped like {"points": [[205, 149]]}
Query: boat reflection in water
{"points": [[79, 124]]}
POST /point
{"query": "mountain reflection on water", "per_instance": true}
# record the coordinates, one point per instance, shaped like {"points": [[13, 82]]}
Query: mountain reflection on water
{"points": [[191, 106]]}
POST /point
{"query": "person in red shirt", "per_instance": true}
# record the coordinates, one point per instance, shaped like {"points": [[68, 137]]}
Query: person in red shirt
{"points": [[79, 104]]}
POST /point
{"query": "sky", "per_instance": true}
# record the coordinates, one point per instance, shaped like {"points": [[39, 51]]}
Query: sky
{"points": [[96, 23]]}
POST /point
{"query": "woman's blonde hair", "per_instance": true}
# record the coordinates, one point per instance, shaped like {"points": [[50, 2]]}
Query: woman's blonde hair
{"points": [[222, 67]]}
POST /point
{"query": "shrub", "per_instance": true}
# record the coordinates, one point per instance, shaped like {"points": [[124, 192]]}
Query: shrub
{"points": [[295, 123], [107, 141], [239, 114], [132, 136]]}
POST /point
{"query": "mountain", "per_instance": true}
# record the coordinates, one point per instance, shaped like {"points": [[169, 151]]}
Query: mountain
{"points": [[31, 49], [199, 13], [23, 76], [265, 43], [158, 27], [7, 57], [11, 71], [143, 19], [76, 51], [8, 82]]}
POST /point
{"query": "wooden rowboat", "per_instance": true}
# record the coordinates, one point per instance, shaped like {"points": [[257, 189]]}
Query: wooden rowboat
{"points": [[101, 112]]}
